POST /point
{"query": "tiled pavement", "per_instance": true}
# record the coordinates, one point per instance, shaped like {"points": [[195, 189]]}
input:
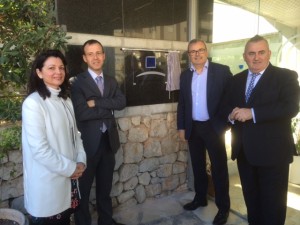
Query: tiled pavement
{"points": [[168, 210]]}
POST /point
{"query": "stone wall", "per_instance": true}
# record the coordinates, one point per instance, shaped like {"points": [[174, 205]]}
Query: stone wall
{"points": [[151, 162], [11, 177]]}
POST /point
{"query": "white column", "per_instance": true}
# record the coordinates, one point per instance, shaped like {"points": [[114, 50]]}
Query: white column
{"points": [[192, 19]]}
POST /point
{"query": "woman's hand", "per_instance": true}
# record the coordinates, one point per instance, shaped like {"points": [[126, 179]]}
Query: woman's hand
{"points": [[80, 168]]}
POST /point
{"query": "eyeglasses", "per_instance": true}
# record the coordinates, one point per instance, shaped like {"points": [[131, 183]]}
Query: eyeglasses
{"points": [[200, 51]]}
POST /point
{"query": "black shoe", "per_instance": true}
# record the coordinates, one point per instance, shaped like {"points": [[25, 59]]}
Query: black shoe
{"points": [[195, 204], [221, 217], [116, 223]]}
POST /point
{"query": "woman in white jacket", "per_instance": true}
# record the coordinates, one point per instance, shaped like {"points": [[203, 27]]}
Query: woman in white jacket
{"points": [[53, 154]]}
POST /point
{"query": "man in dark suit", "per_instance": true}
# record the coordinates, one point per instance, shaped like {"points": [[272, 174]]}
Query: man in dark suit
{"points": [[262, 140], [95, 96], [199, 121]]}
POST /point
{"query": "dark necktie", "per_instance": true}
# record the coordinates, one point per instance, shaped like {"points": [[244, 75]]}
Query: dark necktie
{"points": [[251, 86]]}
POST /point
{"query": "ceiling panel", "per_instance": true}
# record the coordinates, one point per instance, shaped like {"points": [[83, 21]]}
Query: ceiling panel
{"points": [[286, 12]]}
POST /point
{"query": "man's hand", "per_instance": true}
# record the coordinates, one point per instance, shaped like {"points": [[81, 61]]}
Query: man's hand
{"points": [[241, 114], [181, 135], [91, 103]]}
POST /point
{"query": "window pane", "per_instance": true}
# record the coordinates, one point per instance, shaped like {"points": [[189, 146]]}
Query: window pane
{"points": [[156, 19]]}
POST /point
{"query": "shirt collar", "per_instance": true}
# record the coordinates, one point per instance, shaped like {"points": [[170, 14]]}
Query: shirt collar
{"points": [[93, 74], [260, 72], [192, 68]]}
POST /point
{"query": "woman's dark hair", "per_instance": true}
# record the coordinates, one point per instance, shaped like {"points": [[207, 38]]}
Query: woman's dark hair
{"points": [[37, 84]]}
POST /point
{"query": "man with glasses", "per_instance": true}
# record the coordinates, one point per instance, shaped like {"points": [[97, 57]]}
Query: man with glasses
{"points": [[201, 123]]}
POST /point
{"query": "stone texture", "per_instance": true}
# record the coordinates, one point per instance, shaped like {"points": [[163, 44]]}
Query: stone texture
{"points": [[147, 121], [127, 171], [168, 145], [140, 194], [138, 134], [124, 123], [170, 183], [128, 204], [164, 170], [123, 136], [11, 188], [151, 161], [182, 156], [158, 128], [11, 170], [131, 183], [133, 152], [119, 158], [116, 189], [171, 158], [136, 120], [115, 177], [148, 165], [152, 148], [125, 196], [153, 189], [144, 178], [179, 167]]}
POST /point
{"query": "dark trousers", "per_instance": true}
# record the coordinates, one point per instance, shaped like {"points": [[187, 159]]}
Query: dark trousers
{"points": [[203, 137], [101, 167], [265, 191]]}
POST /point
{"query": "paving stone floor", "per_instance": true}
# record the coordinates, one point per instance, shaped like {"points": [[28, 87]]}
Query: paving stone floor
{"points": [[168, 210]]}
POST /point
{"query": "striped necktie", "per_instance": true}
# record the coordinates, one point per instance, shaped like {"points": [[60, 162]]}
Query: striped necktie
{"points": [[251, 86]]}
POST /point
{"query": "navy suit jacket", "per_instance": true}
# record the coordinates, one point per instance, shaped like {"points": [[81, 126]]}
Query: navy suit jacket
{"points": [[275, 100], [218, 77], [89, 120]]}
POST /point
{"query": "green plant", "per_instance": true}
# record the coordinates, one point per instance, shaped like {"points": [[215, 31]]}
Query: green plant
{"points": [[27, 27], [10, 108], [10, 139]]}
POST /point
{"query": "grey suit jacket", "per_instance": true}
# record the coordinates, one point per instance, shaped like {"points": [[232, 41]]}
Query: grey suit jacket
{"points": [[89, 120]]}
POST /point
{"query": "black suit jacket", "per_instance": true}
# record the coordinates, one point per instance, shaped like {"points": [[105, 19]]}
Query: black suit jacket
{"points": [[218, 77], [275, 100], [89, 120]]}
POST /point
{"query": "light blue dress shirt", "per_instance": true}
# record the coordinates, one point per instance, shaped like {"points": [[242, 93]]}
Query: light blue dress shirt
{"points": [[199, 94]]}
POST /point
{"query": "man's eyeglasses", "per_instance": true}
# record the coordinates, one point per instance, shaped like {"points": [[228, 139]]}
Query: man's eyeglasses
{"points": [[200, 51]]}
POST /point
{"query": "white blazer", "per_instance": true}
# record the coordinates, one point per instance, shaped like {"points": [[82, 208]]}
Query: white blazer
{"points": [[51, 147]]}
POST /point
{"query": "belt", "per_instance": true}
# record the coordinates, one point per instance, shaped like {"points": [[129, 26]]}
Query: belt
{"points": [[197, 121]]}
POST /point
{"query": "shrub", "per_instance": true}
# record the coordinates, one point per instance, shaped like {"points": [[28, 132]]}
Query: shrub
{"points": [[10, 139]]}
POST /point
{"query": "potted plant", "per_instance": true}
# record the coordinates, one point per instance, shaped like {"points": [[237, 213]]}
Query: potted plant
{"points": [[294, 176]]}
